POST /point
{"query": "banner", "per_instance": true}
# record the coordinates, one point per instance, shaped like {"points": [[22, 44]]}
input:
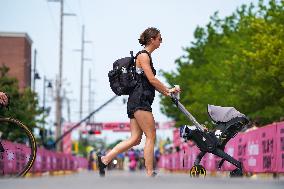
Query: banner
{"points": [[280, 147]]}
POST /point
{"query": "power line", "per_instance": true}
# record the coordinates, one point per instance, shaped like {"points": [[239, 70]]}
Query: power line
{"points": [[55, 28], [81, 11]]}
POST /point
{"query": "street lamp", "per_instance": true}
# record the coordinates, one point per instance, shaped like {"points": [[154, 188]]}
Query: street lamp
{"points": [[35, 73], [49, 85]]}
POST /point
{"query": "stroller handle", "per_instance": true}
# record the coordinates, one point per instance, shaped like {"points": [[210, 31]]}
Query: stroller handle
{"points": [[184, 110]]}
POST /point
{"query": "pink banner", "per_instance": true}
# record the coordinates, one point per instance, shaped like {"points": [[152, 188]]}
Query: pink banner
{"points": [[267, 155], [67, 142], [176, 138], [231, 149], [280, 147]]}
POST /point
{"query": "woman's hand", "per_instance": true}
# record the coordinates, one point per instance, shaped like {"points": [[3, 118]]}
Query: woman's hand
{"points": [[173, 90], [3, 99]]}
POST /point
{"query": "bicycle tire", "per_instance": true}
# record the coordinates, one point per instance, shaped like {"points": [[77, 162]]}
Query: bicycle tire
{"points": [[32, 142], [197, 170]]}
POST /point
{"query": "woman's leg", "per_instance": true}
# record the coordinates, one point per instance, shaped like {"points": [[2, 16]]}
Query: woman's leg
{"points": [[136, 135], [146, 122]]}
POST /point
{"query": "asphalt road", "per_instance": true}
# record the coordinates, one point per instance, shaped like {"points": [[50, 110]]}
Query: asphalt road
{"points": [[125, 180]]}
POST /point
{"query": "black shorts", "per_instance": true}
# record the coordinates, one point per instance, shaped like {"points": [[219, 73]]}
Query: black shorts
{"points": [[140, 99]]}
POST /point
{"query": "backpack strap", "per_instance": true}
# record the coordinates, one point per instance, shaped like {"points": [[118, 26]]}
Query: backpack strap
{"points": [[133, 62]]}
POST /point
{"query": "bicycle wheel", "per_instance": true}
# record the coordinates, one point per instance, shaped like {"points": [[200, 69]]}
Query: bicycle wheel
{"points": [[197, 170], [17, 148]]}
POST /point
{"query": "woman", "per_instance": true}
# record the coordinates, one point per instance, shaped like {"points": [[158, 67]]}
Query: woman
{"points": [[139, 104]]}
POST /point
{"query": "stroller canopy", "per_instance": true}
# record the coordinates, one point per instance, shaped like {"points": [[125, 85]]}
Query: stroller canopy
{"points": [[223, 114]]}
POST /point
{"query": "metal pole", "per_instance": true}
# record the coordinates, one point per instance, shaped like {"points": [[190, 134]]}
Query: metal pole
{"points": [[34, 71], [58, 112], [82, 72], [43, 102], [90, 94], [58, 92]]}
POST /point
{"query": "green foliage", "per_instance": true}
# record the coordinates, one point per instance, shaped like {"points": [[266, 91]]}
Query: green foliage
{"points": [[23, 104], [236, 61]]}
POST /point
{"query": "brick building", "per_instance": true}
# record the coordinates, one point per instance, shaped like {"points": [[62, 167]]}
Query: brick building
{"points": [[15, 53]]}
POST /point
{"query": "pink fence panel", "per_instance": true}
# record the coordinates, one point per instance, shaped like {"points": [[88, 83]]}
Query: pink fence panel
{"points": [[209, 162], [231, 149], [267, 156], [254, 152], [176, 138], [186, 156], [161, 162], [241, 148], [280, 147], [22, 154], [178, 161], [7, 158], [194, 152], [169, 161]]}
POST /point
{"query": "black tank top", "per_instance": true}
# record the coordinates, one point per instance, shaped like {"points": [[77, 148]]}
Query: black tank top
{"points": [[142, 77]]}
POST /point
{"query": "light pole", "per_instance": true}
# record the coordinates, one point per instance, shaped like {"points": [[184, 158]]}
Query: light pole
{"points": [[35, 74], [49, 85], [43, 130]]}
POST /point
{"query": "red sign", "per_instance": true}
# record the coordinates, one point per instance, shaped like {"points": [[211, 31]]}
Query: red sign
{"points": [[117, 126]]}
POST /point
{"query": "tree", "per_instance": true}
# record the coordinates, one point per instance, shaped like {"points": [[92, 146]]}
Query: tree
{"points": [[23, 104], [236, 61]]}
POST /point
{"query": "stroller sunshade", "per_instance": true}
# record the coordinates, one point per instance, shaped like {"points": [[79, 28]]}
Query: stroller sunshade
{"points": [[223, 114]]}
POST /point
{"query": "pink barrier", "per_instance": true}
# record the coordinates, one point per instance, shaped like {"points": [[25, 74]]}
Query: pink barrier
{"points": [[17, 155], [176, 137], [260, 150], [280, 147]]}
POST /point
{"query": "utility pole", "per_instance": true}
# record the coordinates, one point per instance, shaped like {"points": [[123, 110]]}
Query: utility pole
{"points": [[34, 78], [49, 85], [58, 112], [91, 101], [35, 74], [68, 105], [82, 50], [82, 71]]}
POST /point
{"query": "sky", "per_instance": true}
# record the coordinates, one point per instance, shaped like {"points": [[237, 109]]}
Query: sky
{"points": [[113, 27]]}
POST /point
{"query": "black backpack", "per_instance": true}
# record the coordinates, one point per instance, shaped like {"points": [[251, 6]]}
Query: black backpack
{"points": [[122, 77]]}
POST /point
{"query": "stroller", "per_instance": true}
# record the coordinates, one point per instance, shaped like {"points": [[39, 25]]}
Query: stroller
{"points": [[228, 123]]}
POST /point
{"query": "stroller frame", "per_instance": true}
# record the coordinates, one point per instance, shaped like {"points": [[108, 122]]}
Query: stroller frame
{"points": [[208, 142]]}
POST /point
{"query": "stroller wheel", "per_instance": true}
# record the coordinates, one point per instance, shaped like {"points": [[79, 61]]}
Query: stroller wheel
{"points": [[236, 173], [197, 170]]}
